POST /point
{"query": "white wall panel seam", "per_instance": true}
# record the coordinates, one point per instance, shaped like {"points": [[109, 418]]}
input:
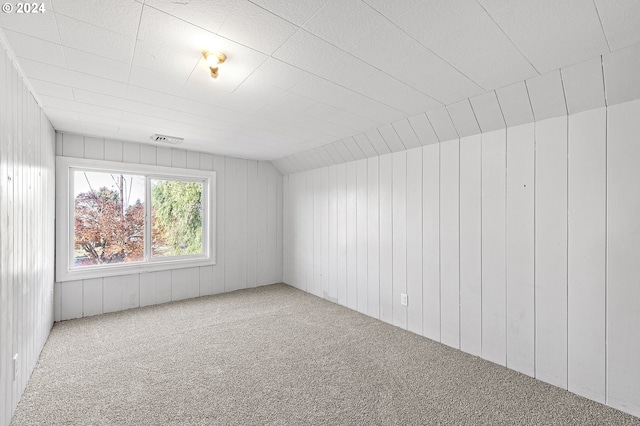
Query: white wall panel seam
{"points": [[604, 82], [606, 253]]}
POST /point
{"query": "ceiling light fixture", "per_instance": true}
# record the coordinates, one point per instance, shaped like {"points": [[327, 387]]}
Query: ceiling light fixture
{"points": [[214, 59]]}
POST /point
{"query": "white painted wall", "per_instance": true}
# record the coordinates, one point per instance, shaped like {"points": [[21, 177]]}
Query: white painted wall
{"points": [[27, 182], [520, 245], [249, 232]]}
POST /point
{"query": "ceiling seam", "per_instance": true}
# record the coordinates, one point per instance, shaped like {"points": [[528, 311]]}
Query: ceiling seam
{"points": [[595, 5], [508, 38]]}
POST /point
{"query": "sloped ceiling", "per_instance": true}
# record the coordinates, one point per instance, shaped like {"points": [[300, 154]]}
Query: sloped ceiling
{"points": [[343, 78]]}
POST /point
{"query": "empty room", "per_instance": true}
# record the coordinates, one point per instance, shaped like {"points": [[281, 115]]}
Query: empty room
{"points": [[319, 212]]}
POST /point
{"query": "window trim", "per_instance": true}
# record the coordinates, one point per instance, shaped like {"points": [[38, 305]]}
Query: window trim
{"points": [[65, 220]]}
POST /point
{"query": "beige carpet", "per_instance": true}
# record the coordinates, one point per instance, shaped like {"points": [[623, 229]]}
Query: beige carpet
{"points": [[276, 355]]}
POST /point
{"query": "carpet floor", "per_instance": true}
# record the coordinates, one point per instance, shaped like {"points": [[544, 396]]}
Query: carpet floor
{"points": [[277, 355]]}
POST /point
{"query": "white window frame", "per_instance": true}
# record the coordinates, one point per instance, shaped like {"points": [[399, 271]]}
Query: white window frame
{"points": [[65, 227]]}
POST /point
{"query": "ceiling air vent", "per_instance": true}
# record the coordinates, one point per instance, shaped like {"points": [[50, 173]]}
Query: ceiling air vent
{"points": [[166, 139]]}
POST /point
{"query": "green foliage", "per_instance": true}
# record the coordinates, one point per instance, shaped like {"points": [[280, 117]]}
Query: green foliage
{"points": [[177, 217]]}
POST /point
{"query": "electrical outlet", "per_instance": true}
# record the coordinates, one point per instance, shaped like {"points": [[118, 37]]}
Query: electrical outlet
{"points": [[15, 367], [403, 299]]}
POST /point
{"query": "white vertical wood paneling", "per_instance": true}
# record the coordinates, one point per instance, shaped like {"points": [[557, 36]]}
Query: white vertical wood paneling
{"points": [[623, 247], [253, 208], [162, 286], [494, 333], [341, 195], [307, 220], [361, 236], [27, 153], [373, 239], [333, 234], [316, 224], [205, 281], [450, 242], [147, 153], [71, 306], [551, 251], [218, 269], [431, 241], [235, 224], [130, 291], [112, 150], [130, 151], [323, 212], [287, 234], [414, 240], [92, 297], [520, 249], [111, 294], [399, 229], [147, 289], [185, 283], [265, 213], [586, 255], [386, 237], [471, 244], [352, 259]]}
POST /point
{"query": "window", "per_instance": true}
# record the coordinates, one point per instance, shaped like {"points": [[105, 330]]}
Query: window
{"points": [[116, 218]]}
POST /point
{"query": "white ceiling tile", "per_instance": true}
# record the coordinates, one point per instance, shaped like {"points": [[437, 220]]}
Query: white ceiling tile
{"points": [[429, 20], [255, 27], [487, 111], [434, 77], [354, 148], [385, 48], [96, 65], [310, 159], [584, 85], [442, 124], [326, 158], [346, 70], [318, 158], [197, 12], [365, 146], [493, 6], [80, 107], [620, 20], [279, 74], [301, 161], [392, 9], [99, 41], [28, 47], [406, 134], [39, 25], [99, 99], [158, 81], [293, 102], [344, 151], [55, 113], [289, 117], [391, 138], [340, 117], [298, 11], [423, 129], [463, 118], [547, 96], [45, 72], [97, 84], [340, 97], [378, 143], [147, 96], [116, 15], [553, 34], [390, 91], [335, 24], [622, 75], [334, 153], [513, 68], [51, 89], [514, 104], [305, 50]]}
